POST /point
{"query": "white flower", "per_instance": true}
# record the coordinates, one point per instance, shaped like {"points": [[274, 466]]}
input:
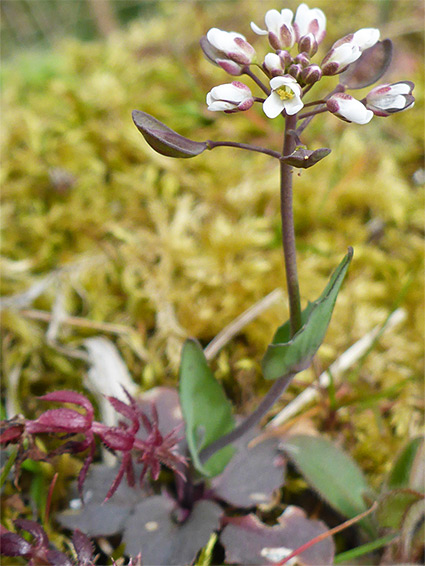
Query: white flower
{"points": [[387, 99], [230, 97], [348, 49], [349, 109], [285, 95], [279, 28], [233, 45], [310, 21]]}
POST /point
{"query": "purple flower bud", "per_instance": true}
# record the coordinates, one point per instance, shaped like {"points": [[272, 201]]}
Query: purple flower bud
{"points": [[230, 98], [387, 99], [311, 74], [308, 44], [349, 109], [295, 70], [279, 28], [302, 59], [228, 50]]}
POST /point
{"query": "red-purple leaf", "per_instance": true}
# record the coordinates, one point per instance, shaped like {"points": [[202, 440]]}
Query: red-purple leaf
{"points": [[65, 396], [163, 139], [59, 420]]}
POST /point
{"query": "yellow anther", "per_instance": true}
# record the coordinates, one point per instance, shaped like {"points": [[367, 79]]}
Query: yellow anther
{"points": [[285, 93]]}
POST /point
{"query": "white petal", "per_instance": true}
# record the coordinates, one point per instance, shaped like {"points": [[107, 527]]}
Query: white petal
{"points": [[286, 80], [273, 105], [366, 37], [220, 106], [258, 30], [354, 111], [293, 105], [400, 88], [345, 54]]}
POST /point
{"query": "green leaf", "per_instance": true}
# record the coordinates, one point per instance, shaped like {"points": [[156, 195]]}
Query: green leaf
{"points": [[332, 473], [403, 471], [287, 355], [206, 410], [393, 507], [163, 139]]}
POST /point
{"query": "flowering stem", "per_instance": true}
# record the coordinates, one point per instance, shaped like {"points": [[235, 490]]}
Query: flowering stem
{"points": [[288, 240], [253, 419], [257, 81], [288, 231], [313, 112], [249, 147]]}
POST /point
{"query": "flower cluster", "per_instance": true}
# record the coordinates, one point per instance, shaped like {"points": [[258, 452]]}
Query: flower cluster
{"points": [[152, 449], [291, 75]]}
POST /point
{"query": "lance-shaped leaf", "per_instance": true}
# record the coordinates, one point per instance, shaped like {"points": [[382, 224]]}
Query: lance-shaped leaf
{"points": [[290, 355], [305, 158], [332, 473], [408, 468], [163, 139], [206, 410], [370, 67]]}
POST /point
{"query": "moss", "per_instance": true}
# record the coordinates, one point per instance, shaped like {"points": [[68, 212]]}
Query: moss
{"points": [[171, 248]]}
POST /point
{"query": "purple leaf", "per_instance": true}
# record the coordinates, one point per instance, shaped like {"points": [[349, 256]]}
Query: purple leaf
{"points": [[370, 67], [253, 474], [36, 530], [153, 531], [12, 544], [163, 139], [248, 541], [83, 547], [97, 518]]}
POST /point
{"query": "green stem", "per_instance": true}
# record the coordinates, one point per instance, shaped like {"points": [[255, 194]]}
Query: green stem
{"points": [[288, 231]]}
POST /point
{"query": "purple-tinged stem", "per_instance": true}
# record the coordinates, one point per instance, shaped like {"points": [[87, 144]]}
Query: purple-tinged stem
{"points": [[257, 81], [249, 147], [288, 231], [253, 419], [313, 112], [288, 241]]}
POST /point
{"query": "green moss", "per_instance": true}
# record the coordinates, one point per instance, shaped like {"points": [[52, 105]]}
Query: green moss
{"points": [[169, 249]]}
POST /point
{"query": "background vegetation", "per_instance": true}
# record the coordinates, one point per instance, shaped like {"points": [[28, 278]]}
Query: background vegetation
{"points": [[104, 237]]}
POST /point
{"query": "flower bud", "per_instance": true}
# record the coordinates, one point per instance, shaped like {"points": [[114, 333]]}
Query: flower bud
{"points": [[279, 28], [348, 49], [228, 50], [349, 109], [387, 99], [230, 98], [309, 21], [273, 65], [302, 59], [308, 44], [295, 70], [311, 74]]}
